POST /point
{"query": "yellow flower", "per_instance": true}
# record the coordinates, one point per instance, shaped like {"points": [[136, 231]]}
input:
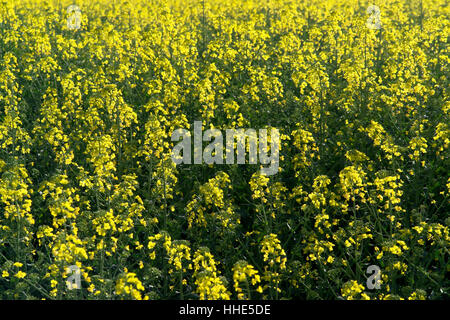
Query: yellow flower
{"points": [[20, 274]]}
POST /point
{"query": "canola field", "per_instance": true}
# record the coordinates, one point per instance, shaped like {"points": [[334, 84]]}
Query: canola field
{"points": [[92, 205]]}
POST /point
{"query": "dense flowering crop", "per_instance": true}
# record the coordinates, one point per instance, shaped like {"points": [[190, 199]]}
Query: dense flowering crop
{"points": [[89, 99]]}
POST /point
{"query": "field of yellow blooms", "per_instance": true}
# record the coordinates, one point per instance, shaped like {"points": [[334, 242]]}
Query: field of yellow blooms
{"points": [[89, 99]]}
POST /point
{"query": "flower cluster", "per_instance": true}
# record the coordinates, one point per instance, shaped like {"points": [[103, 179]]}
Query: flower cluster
{"points": [[88, 106]]}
